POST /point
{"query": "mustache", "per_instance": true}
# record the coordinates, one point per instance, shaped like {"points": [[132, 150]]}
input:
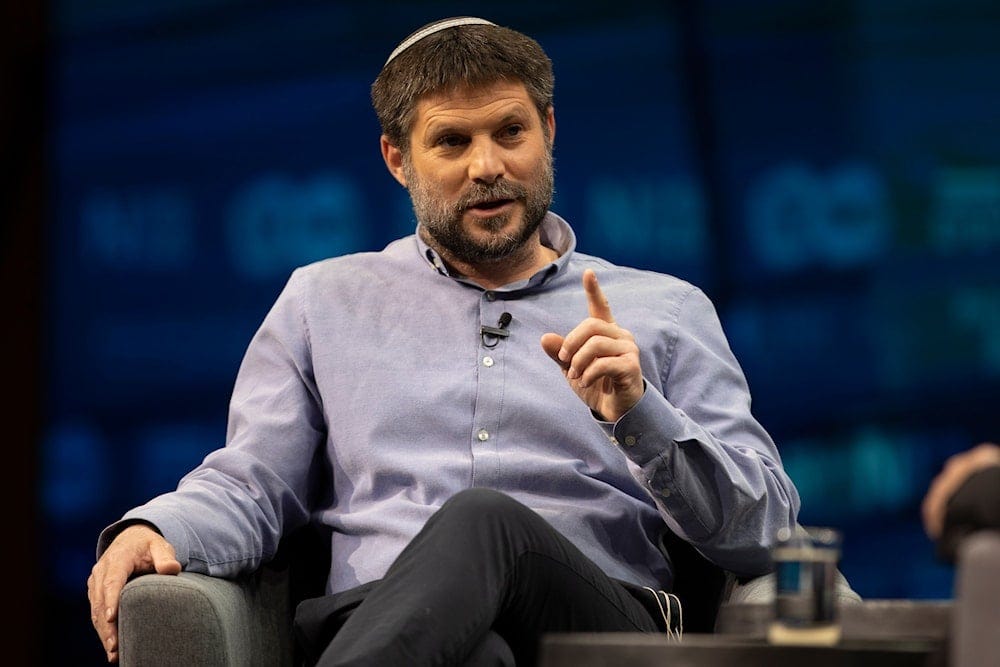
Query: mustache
{"points": [[481, 193]]}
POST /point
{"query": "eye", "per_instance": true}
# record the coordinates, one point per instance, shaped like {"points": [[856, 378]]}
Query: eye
{"points": [[512, 131], [450, 141]]}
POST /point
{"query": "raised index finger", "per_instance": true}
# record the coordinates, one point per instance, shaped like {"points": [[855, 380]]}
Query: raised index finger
{"points": [[597, 303]]}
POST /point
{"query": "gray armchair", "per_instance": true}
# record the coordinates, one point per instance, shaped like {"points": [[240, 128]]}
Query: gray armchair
{"points": [[193, 619]]}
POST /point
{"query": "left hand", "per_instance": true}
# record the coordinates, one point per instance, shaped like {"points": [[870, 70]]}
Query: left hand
{"points": [[599, 358]]}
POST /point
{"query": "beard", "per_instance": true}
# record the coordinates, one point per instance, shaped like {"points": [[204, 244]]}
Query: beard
{"points": [[443, 220]]}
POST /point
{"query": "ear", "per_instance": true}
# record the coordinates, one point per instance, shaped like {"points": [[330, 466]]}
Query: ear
{"points": [[550, 120], [393, 160]]}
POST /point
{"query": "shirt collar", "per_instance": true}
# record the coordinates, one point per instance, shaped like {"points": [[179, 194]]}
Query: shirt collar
{"points": [[554, 232]]}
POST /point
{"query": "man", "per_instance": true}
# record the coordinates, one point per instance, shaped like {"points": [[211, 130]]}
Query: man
{"points": [[411, 401]]}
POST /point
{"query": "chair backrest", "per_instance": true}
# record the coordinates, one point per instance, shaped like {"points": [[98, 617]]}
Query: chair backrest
{"points": [[698, 583], [304, 557]]}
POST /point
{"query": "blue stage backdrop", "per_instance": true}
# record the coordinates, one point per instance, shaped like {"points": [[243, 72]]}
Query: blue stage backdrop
{"points": [[828, 172]]}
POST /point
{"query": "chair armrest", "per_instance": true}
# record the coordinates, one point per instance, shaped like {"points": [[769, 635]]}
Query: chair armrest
{"points": [[748, 605], [761, 590], [194, 619], [975, 640]]}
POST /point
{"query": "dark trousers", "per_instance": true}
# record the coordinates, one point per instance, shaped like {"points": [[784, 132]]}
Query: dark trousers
{"points": [[479, 585]]}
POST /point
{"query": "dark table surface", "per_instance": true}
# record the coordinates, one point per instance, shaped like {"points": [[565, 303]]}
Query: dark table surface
{"points": [[646, 650], [876, 633]]}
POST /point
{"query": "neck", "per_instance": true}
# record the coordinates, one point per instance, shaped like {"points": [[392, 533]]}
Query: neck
{"points": [[519, 265]]}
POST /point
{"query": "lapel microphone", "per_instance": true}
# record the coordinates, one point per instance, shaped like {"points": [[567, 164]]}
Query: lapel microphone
{"points": [[492, 335]]}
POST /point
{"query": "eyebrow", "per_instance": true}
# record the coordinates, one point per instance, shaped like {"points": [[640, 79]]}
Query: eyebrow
{"points": [[437, 129]]}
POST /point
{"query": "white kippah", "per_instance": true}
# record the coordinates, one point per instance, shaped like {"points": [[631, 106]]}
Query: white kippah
{"points": [[432, 28]]}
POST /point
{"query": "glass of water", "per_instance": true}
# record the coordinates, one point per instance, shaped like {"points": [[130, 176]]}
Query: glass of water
{"points": [[805, 602]]}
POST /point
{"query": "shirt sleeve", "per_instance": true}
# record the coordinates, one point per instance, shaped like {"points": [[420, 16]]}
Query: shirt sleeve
{"points": [[227, 515], [710, 467]]}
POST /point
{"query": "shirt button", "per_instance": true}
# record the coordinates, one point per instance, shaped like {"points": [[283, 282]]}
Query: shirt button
{"points": [[487, 361], [491, 296], [664, 493], [629, 440], [483, 435]]}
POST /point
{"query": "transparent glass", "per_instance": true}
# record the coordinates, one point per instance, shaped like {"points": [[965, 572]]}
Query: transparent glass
{"points": [[805, 602]]}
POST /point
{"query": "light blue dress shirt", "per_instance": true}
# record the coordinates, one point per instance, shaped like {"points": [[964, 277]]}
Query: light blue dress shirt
{"points": [[368, 397]]}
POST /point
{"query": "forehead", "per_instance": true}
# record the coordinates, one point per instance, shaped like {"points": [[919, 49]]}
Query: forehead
{"points": [[468, 102]]}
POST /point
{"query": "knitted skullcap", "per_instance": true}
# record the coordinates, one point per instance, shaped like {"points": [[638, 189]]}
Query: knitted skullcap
{"points": [[432, 28]]}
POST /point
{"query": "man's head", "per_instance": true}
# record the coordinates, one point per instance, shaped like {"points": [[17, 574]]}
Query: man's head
{"points": [[468, 127], [469, 52]]}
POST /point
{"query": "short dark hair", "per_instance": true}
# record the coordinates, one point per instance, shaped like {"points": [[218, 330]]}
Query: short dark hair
{"points": [[473, 55]]}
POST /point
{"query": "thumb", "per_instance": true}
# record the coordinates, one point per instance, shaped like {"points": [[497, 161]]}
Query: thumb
{"points": [[552, 343], [164, 559]]}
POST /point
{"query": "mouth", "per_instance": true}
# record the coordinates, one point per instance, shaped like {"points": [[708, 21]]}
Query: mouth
{"points": [[491, 206]]}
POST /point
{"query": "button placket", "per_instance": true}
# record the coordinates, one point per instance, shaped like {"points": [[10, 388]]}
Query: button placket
{"points": [[486, 438]]}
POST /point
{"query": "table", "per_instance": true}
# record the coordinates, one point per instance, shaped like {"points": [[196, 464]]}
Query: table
{"points": [[876, 633], [712, 650]]}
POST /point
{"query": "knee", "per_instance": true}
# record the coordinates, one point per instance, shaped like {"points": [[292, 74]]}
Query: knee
{"points": [[488, 526], [492, 651], [482, 504]]}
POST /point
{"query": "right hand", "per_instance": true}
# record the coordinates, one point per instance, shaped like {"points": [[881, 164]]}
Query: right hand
{"points": [[138, 549]]}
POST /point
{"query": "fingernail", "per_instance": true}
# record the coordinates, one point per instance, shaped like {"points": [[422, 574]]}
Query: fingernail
{"points": [[108, 613], [572, 374], [562, 355]]}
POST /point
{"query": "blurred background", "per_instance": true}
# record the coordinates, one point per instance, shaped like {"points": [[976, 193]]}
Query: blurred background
{"points": [[828, 172]]}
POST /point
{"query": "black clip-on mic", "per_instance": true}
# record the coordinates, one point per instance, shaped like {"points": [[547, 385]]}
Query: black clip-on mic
{"points": [[492, 335]]}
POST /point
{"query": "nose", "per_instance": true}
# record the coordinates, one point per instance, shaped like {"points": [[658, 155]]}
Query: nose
{"points": [[485, 161]]}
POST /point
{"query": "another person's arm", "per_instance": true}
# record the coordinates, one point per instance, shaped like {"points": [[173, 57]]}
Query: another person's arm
{"points": [[963, 497]]}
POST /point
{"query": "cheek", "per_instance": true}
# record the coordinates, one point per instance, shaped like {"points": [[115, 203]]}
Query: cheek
{"points": [[443, 179], [528, 165]]}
